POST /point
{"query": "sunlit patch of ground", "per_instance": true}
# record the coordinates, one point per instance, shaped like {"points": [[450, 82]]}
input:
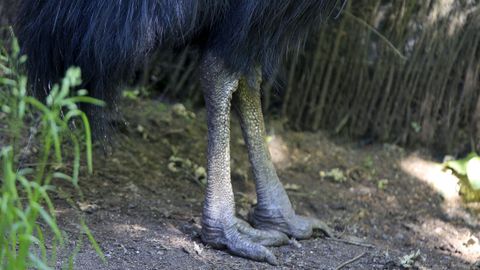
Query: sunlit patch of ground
{"points": [[433, 174], [279, 151], [456, 238]]}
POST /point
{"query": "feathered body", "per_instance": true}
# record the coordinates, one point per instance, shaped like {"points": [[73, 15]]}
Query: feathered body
{"points": [[109, 40]]}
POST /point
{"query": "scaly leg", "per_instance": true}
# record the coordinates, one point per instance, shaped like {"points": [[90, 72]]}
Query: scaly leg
{"points": [[220, 227], [273, 210]]}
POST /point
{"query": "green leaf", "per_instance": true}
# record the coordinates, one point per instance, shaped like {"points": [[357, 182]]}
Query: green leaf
{"points": [[38, 262], [460, 166], [473, 172], [93, 242], [48, 219]]}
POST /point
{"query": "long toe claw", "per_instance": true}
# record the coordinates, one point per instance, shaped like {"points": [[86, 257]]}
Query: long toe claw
{"points": [[262, 237], [237, 245], [322, 226]]}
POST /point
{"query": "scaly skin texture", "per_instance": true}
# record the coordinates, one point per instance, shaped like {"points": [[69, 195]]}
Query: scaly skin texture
{"points": [[273, 217], [220, 228], [273, 210]]}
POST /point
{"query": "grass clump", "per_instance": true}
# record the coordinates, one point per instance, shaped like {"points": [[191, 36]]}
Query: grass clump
{"points": [[35, 143]]}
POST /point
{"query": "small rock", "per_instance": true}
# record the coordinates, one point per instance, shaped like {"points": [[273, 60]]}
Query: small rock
{"points": [[88, 207]]}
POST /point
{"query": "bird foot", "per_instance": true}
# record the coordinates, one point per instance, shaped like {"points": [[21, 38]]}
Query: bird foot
{"points": [[242, 240], [293, 225]]}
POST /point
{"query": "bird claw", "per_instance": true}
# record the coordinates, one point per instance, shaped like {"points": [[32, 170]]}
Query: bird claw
{"points": [[242, 240], [296, 226]]}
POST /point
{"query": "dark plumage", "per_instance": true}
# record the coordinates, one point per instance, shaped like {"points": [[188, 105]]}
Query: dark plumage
{"points": [[110, 39]]}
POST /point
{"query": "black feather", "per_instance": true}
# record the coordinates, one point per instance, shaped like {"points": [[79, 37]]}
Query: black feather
{"points": [[110, 40]]}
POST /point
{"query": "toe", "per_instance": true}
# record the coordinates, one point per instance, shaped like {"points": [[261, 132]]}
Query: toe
{"points": [[238, 245], [300, 228], [322, 226], [262, 237]]}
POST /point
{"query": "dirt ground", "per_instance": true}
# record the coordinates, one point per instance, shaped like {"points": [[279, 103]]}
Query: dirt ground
{"points": [[144, 202]]}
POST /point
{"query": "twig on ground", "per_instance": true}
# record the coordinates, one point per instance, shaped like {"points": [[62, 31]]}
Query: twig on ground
{"points": [[350, 261], [355, 243]]}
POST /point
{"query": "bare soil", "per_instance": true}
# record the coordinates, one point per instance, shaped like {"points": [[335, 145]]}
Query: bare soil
{"points": [[144, 201]]}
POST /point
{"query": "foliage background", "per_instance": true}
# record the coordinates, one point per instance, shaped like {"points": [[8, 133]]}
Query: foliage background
{"points": [[348, 81]]}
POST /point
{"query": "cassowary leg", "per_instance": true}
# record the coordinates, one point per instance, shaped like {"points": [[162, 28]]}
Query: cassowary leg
{"points": [[273, 210], [220, 227]]}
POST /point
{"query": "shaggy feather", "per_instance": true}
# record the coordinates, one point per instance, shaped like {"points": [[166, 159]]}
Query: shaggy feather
{"points": [[110, 40]]}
